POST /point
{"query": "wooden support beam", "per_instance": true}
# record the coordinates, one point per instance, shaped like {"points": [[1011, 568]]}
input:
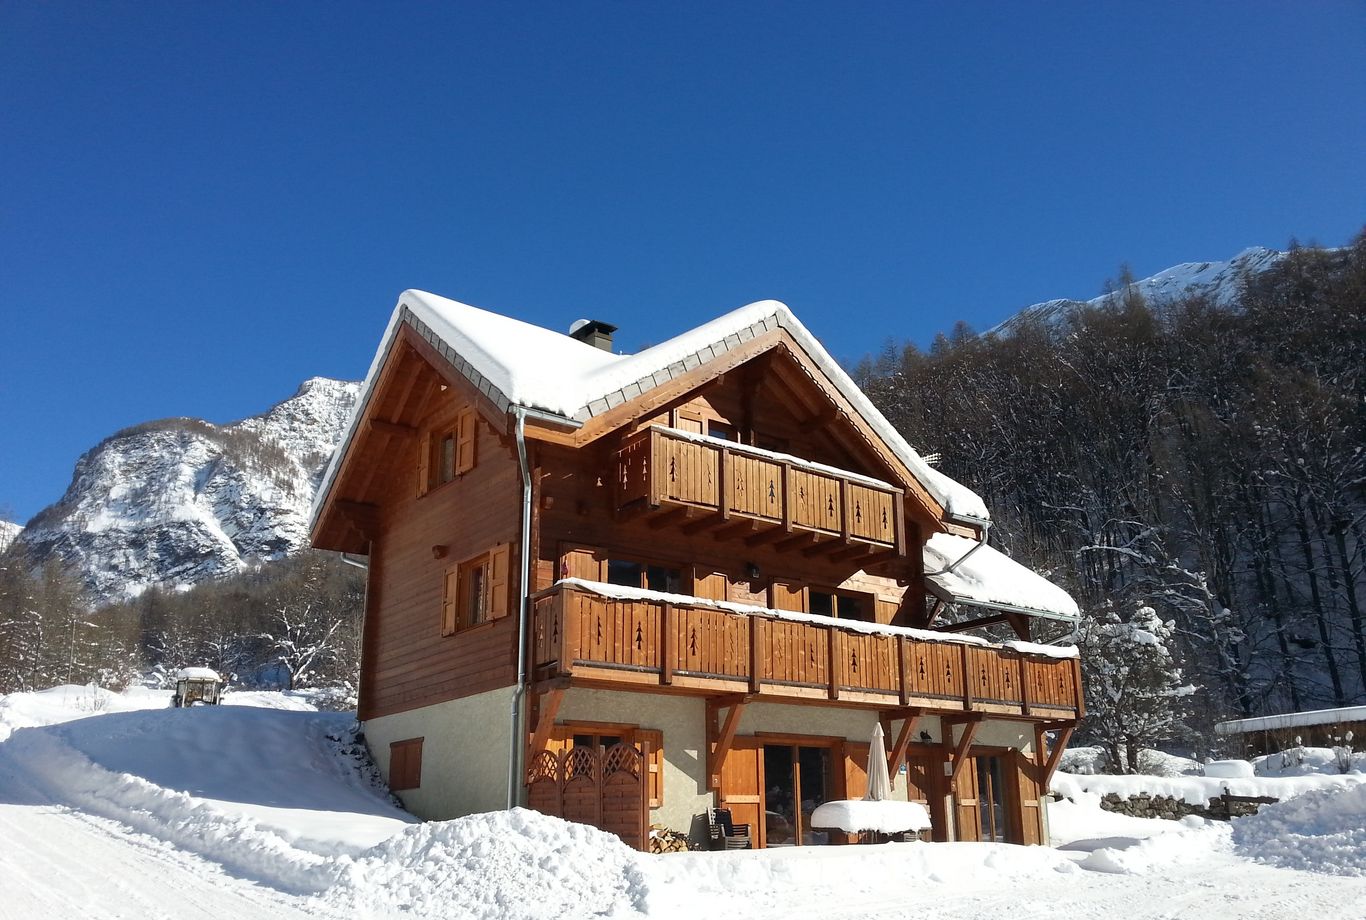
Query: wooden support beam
{"points": [[380, 426], [822, 548], [903, 742], [771, 535], [851, 552], [669, 518], [548, 705], [724, 738], [975, 623], [702, 524], [1050, 765], [733, 530], [795, 541], [1020, 623], [960, 749], [899, 523]]}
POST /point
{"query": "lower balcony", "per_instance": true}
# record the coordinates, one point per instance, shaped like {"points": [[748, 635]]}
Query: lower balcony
{"points": [[627, 638]]}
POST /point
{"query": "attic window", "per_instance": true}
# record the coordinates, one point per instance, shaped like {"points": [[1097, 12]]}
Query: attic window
{"points": [[447, 451]]}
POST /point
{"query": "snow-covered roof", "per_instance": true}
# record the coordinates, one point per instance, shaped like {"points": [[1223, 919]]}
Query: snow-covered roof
{"points": [[989, 578], [516, 364], [1292, 720], [197, 674], [622, 592]]}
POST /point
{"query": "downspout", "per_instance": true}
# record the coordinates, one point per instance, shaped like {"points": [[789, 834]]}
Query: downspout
{"points": [[518, 739], [364, 606], [985, 527]]}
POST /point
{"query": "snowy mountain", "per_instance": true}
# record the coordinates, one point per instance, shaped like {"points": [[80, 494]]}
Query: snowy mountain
{"points": [[1218, 281], [177, 501], [8, 532]]}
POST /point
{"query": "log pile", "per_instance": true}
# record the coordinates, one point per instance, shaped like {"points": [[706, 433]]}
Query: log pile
{"points": [[665, 840]]}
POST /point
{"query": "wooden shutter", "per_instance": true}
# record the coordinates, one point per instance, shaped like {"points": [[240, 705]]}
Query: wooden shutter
{"points": [[1022, 789], [424, 463], [581, 563], [787, 595], [405, 764], [500, 559], [655, 765], [966, 812], [742, 785], [450, 594], [465, 439]]}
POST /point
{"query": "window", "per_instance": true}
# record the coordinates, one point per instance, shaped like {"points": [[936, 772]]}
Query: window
{"points": [[405, 764], [476, 590], [643, 575], [720, 430], [842, 605], [447, 451]]}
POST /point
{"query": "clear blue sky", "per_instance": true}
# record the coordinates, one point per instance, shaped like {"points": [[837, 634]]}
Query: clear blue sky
{"points": [[202, 204]]}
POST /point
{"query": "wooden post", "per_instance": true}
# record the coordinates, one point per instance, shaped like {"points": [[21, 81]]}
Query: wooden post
{"points": [[899, 522], [567, 603], [844, 510], [756, 658], [1024, 686], [787, 497], [1076, 688], [666, 644], [833, 648], [902, 653], [658, 477], [967, 682], [727, 474]]}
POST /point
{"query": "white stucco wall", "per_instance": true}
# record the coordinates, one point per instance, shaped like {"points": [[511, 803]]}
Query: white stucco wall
{"points": [[464, 753]]}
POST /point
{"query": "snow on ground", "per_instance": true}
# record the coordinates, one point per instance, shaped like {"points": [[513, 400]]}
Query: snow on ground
{"points": [[1198, 790], [114, 805]]}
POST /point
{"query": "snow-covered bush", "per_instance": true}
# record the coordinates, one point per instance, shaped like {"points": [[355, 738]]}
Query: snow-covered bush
{"points": [[1135, 694]]}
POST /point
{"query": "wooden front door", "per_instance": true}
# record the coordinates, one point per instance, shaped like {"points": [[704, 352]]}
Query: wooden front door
{"points": [[742, 788]]}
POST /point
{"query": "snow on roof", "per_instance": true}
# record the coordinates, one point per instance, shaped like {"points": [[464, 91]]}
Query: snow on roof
{"points": [[621, 592], [197, 674], [516, 364], [1292, 720], [989, 578]]}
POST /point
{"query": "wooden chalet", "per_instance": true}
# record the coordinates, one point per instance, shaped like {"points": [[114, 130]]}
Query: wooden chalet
{"points": [[626, 588]]}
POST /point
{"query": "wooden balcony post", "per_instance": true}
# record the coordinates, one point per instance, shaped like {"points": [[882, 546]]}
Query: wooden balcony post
{"points": [[1024, 686], [727, 475], [756, 658], [844, 510], [967, 678], [666, 644], [902, 654], [569, 629], [1076, 688], [787, 497], [899, 522], [833, 648], [658, 468]]}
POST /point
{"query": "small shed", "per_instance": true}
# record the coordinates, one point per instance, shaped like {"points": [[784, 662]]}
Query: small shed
{"points": [[1273, 734], [197, 685]]}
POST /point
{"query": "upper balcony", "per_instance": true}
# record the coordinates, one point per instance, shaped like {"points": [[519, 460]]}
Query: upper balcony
{"points": [[635, 639], [759, 496]]}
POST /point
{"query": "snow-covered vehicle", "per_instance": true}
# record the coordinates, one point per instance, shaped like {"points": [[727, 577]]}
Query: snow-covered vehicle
{"points": [[197, 685]]}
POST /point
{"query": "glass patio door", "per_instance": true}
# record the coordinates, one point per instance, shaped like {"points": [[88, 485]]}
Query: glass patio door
{"points": [[991, 799], [797, 778]]}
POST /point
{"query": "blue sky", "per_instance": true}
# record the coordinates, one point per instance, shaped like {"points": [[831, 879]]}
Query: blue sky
{"points": [[203, 204]]}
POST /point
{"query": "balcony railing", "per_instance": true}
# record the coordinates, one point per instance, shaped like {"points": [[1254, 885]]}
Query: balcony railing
{"points": [[780, 497], [642, 639]]}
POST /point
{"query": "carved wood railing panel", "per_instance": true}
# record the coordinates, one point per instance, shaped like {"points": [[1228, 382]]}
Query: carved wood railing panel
{"points": [[644, 640]]}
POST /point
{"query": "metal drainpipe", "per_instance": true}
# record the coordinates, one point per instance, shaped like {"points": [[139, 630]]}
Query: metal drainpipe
{"points": [[986, 529], [523, 616]]}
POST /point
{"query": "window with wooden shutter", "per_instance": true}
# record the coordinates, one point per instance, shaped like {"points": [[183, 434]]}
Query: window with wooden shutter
{"points": [[465, 440], [450, 597], [405, 764], [499, 581], [424, 464]]}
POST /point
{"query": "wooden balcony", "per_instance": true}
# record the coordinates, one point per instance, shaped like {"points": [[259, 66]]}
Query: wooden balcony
{"points": [[759, 496], [644, 642]]}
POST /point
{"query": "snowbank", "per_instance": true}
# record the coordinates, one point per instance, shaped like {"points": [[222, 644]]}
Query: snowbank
{"points": [[504, 865], [1198, 790], [1320, 831]]}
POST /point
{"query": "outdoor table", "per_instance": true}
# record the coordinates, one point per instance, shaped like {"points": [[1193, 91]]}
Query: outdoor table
{"points": [[859, 816]]}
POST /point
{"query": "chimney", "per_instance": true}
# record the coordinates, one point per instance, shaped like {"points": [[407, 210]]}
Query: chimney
{"points": [[594, 332]]}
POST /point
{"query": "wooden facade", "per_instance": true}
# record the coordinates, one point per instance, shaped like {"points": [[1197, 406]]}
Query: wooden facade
{"points": [[748, 480]]}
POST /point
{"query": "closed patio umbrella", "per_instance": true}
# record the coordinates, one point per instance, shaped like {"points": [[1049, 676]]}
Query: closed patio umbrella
{"points": [[879, 783]]}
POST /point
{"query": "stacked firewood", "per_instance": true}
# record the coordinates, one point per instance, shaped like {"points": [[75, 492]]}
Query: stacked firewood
{"points": [[666, 840]]}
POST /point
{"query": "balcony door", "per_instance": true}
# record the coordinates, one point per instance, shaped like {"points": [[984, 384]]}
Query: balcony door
{"points": [[797, 778]]}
